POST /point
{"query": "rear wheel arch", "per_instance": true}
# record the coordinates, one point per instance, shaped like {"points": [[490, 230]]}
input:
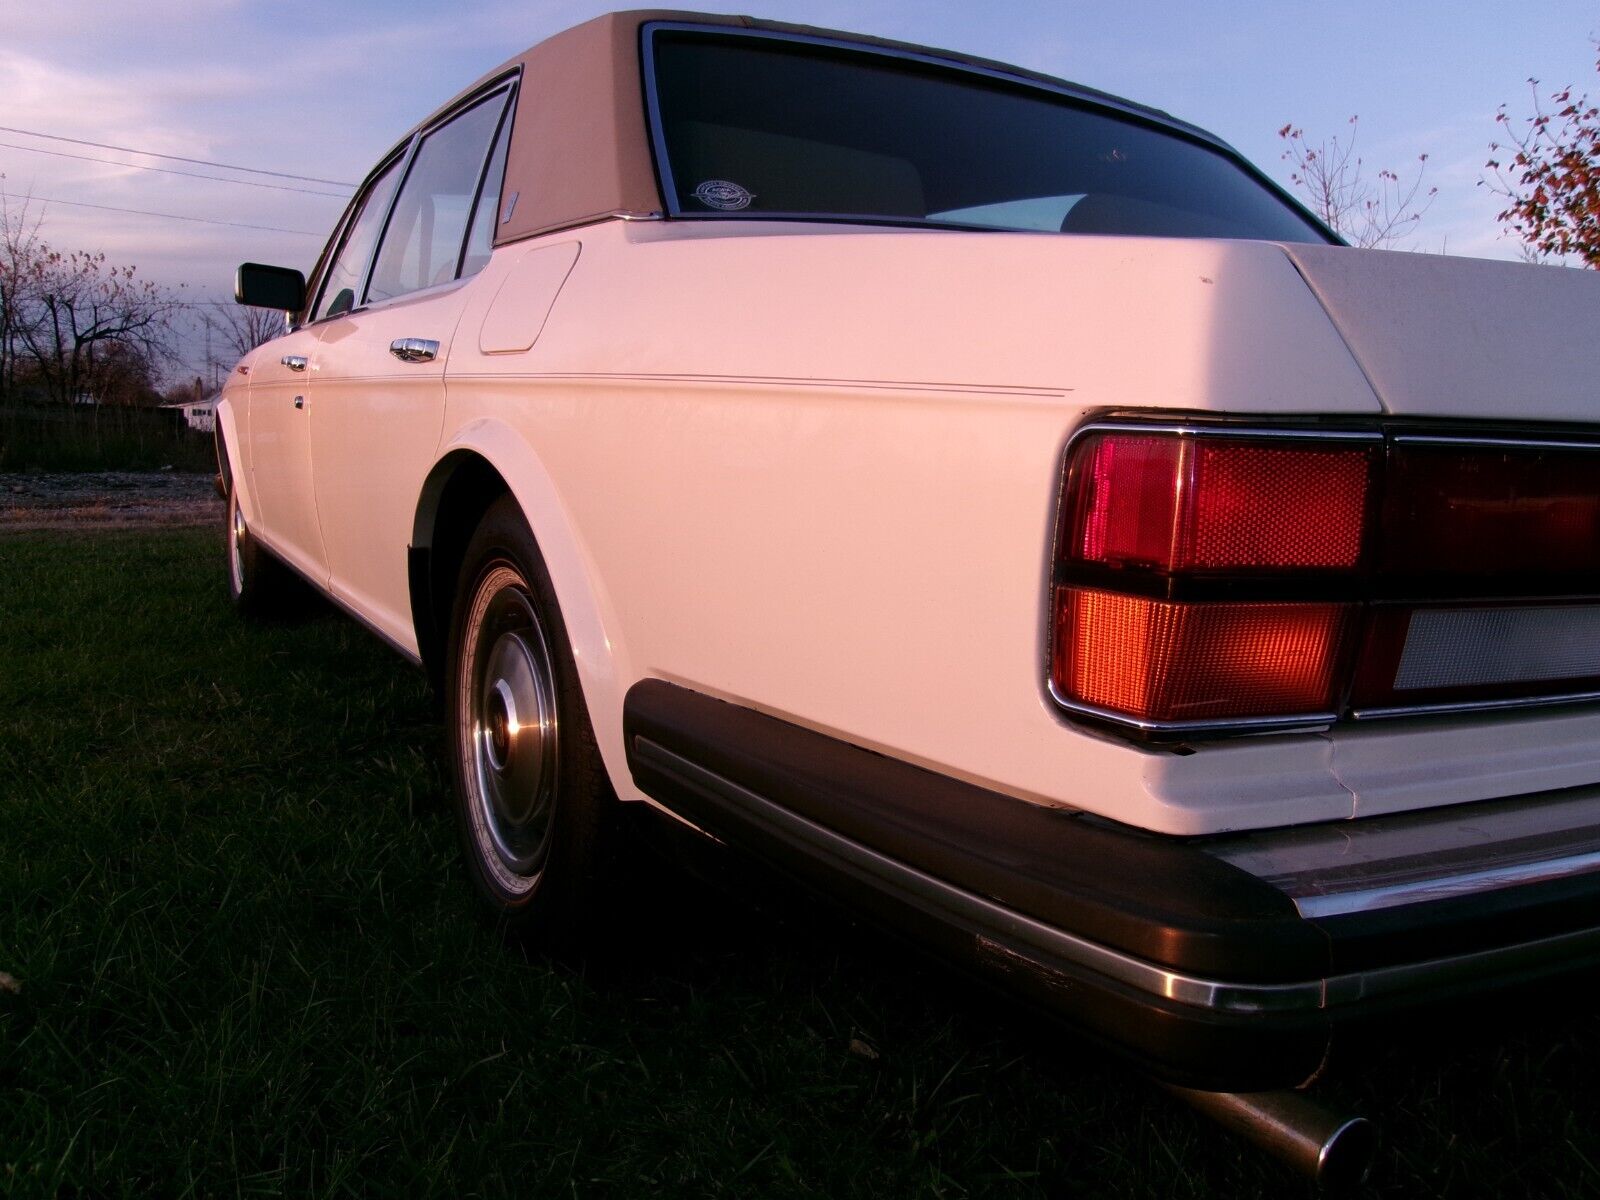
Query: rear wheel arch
{"points": [[488, 462], [457, 493]]}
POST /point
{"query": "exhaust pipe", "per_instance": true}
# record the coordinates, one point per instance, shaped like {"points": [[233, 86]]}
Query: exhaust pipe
{"points": [[1334, 1151]]}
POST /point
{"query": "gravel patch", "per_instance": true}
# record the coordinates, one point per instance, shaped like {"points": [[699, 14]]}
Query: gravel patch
{"points": [[106, 500]]}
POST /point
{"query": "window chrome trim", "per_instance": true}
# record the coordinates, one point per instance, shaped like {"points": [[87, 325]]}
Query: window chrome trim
{"points": [[503, 126], [403, 150], [400, 158], [383, 227], [483, 95], [330, 251], [996, 72]]}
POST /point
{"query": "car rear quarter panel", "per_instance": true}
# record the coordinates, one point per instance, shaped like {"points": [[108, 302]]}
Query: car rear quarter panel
{"points": [[814, 471]]}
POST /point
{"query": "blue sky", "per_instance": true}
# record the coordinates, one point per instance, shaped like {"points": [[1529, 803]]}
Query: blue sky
{"points": [[323, 88]]}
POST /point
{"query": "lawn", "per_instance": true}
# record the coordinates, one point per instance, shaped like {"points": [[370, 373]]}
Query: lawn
{"points": [[249, 965]]}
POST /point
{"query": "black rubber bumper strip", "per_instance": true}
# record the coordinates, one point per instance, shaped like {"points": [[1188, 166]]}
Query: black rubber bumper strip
{"points": [[1203, 971], [969, 875], [1152, 897]]}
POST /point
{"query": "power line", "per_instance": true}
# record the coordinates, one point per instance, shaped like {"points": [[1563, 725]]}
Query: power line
{"points": [[199, 162], [111, 162], [142, 212]]}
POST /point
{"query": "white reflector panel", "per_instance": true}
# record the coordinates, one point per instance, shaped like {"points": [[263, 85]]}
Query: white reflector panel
{"points": [[1466, 647]]}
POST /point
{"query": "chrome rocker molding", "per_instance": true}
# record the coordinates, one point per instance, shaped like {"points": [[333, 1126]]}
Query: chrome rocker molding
{"points": [[986, 918]]}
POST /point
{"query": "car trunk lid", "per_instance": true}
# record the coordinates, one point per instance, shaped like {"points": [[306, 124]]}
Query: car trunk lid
{"points": [[1462, 337]]}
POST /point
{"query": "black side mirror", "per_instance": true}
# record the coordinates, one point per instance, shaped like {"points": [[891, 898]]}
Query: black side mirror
{"points": [[270, 287]]}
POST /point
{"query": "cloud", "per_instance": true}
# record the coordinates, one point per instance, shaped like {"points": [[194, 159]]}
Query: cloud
{"points": [[78, 20]]}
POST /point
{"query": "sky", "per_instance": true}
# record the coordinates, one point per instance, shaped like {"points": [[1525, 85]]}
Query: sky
{"points": [[323, 89]]}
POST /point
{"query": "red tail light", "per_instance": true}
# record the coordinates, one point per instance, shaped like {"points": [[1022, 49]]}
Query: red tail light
{"points": [[1208, 578], [1492, 509], [1184, 504], [1170, 662]]}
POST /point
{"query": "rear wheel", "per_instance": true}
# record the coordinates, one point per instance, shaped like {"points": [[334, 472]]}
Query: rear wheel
{"points": [[531, 795], [258, 584]]}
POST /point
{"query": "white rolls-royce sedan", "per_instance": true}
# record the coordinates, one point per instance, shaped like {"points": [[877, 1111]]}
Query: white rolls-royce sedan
{"points": [[985, 499]]}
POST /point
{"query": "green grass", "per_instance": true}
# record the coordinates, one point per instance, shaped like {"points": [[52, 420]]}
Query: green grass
{"points": [[249, 966]]}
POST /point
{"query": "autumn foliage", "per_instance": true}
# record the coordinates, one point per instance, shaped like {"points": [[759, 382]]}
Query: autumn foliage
{"points": [[1552, 177]]}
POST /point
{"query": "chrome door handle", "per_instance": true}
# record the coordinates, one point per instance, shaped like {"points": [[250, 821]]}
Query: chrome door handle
{"points": [[295, 362], [414, 349]]}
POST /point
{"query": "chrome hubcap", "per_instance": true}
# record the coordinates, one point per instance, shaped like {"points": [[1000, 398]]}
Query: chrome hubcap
{"points": [[510, 729], [236, 536]]}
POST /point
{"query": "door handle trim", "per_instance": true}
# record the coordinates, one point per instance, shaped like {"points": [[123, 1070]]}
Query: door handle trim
{"points": [[414, 349], [295, 362]]}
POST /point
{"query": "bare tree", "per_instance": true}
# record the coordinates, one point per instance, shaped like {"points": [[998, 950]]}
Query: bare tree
{"points": [[92, 319], [241, 329], [20, 252], [1372, 211], [72, 323]]}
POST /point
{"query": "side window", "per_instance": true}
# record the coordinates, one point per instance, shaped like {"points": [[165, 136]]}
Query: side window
{"points": [[344, 276], [480, 241], [422, 246]]}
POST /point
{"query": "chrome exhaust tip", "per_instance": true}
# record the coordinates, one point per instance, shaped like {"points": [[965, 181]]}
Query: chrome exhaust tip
{"points": [[1336, 1151]]}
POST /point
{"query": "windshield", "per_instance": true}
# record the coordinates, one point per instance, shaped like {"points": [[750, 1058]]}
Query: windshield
{"points": [[759, 126]]}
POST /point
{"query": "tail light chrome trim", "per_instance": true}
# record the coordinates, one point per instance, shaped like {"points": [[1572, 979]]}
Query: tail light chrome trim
{"points": [[1197, 429], [1471, 706], [1361, 585]]}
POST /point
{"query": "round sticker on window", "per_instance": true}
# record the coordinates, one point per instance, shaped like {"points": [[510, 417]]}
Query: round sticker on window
{"points": [[723, 195]]}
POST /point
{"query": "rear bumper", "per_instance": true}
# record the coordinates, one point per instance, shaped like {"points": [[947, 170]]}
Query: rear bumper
{"points": [[1223, 963]]}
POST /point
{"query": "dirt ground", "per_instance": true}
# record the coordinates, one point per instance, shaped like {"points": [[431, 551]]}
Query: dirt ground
{"points": [[106, 500]]}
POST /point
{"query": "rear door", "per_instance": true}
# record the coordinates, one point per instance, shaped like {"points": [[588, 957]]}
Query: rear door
{"points": [[380, 379]]}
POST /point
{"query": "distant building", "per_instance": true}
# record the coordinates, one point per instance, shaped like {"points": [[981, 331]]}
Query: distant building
{"points": [[202, 415], [199, 415]]}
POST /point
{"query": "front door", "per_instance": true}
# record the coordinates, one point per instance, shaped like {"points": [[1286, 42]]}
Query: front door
{"points": [[280, 450]]}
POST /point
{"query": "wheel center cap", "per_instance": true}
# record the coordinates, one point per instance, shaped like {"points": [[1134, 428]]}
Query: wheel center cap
{"points": [[503, 725]]}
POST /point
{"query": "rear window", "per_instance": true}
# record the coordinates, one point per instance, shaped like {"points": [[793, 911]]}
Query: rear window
{"points": [[762, 126]]}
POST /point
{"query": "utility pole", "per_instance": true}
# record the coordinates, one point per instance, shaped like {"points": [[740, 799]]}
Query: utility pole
{"points": [[211, 363]]}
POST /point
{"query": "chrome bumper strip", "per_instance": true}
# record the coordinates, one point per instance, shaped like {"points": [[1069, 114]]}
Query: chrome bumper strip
{"points": [[984, 917], [1409, 858], [1466, 883]]}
